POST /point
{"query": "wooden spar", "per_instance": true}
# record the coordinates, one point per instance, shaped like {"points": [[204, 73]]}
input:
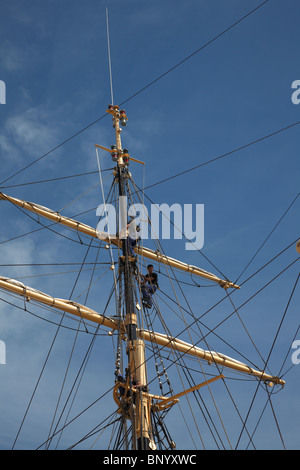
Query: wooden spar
{"points": [[79, 310], [174, 263], [126, 154], [166, 402], [55, 217], [92, 232], [209, 356], [69, 306]]}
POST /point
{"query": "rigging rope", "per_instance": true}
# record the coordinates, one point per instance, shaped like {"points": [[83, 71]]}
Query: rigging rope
{"points": [[53, 179], [239, 414], [269, 355], [106, 218], [141, 90], [267, 238], [191, 341], [87, 293]]}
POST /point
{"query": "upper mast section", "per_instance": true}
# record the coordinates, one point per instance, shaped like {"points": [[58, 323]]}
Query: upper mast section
{"points": [[118, 154], [119, 117]]}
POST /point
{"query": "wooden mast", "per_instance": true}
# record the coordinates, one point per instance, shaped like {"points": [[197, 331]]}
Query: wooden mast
{"points": [[140, 405], [141, 401]]}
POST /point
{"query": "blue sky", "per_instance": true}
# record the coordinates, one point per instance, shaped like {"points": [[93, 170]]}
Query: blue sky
{"points": [[54, 62]]}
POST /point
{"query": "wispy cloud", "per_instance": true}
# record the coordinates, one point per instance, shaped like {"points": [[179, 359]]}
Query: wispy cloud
{"points": [[32, 132], [14, 58], [31, 129]]}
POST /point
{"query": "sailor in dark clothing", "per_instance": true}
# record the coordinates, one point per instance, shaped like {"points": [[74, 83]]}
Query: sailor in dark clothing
{"points": [[126, 383], [149, 286], [133, 237], [121, 379]]}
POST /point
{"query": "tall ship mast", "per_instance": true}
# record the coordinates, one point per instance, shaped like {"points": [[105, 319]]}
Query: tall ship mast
{"points": [[142, 414]]}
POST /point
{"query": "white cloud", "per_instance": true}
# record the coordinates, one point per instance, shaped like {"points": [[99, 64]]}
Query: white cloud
{"points": [[8, 148], [13, 58], [19, 251], [31, 129], [30, 132]]}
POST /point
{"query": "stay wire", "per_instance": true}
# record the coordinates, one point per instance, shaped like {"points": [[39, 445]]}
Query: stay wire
{"points": [[80, 371], [269, 355], [175, 176], [211, 160], [288, 354], [244, 326], [87, 294], [239, 307], [77, 416], [259, 270], [227, 154], [256, 293], [50, 180], [199, 251], [112, 387], [139, 91], [46, 319], [40, 375], [192, 342], [155, 351], [196, 51], [250, 298], [269, 235], [43, 226], [70, 356], [37, 383], [95, 430]]}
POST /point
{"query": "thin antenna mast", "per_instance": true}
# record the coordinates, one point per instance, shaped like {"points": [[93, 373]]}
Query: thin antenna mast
{"points": [[109, 59]]}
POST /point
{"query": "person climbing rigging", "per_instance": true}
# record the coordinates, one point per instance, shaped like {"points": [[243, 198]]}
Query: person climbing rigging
{"points": [[133, 237], [124, 384], [149, 286]]}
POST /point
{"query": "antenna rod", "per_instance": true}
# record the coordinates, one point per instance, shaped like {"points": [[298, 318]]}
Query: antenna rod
{"points": [[109, 59]]}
